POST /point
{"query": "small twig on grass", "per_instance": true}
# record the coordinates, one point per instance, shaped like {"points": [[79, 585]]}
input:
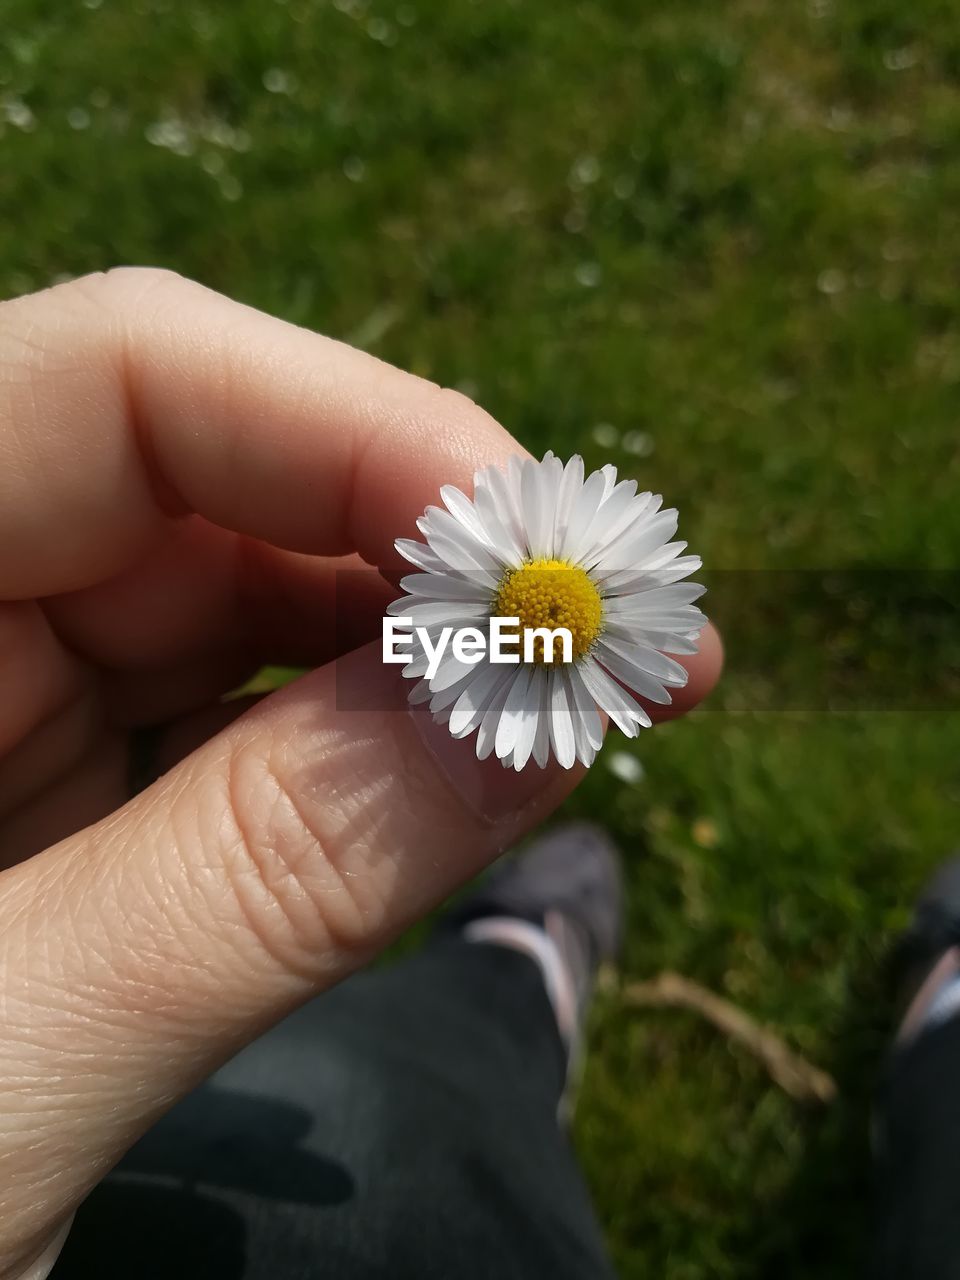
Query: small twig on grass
{"points": [[793, 1073]]}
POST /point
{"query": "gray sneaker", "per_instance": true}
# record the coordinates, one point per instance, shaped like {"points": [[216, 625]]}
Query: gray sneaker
{"points": [[932, 933], [568, 883]]}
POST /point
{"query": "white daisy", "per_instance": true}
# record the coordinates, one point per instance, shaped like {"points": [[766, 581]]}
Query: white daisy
{"points": [[543, 544]]}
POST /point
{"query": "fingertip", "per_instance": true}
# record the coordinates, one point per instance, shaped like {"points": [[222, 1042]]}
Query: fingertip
{"points": [[703, 669], [493, 793]]}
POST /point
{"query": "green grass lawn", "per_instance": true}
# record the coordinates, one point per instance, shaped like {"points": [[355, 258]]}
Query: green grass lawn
{"points": [[719, 245]]}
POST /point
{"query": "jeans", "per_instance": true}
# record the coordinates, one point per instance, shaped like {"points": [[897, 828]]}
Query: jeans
{"points": [[917, 1234], [404, 1125]]}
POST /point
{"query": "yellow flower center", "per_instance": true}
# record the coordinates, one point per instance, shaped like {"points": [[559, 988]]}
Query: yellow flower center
{"points": [[551, 593]]}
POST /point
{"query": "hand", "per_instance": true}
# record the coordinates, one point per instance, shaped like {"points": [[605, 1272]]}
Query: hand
{"points": [[180, 479]]}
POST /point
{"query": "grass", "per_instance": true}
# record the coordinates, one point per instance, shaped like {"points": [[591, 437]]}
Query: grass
{"points": [[718, 245]]}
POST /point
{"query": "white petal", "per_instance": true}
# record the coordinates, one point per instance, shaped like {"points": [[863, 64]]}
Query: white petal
{"points": [[648, 659], [585, 709], [531, 507], [562, 734], [666, 641], [514, 713], [612, 515], [463, 511], [551, 478], [500, 533], [682, 567], [450, 670], [439, 525], [639, 513], [626, 714], [539, 505], [665, 556], [476, 697], [420, 555], [585, 506], [419, 658], [570, 486], [419, 693], [527, 733], [402, 606], [434, 629], [609, 473], [598, 550], [432, 613], [633, 547], [445, 586], [445, 698], [473, 559], [586, 752], [643, 579], [682, 620], [645, 509], [541, 743], [629, 673], [657, 599], [487, 733], [496, 486], [514, 482]]}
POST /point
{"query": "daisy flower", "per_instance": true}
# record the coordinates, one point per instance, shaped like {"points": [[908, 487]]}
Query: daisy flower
{"points": [[552, 548]]}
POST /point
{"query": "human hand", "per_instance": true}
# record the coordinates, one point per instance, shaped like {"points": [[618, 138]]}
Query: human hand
{"points": [[181, 478]]}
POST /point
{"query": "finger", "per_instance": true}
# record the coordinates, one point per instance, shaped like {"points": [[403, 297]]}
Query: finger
{"points": [[270, 863], [94, 771], [45, 756], [59, 745], [177, 740], [173, 637], [703, 672], [134, 397], [274, 860], [82, 795], [204, 590], [168, 637], [136, 698], [37, 675]]}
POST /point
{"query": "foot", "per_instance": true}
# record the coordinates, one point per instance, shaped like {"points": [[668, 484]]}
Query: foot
{"points": [[927, 958], [561, 902]]}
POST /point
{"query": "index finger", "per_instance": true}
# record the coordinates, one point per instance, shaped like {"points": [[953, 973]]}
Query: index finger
{"points": [[130, 398]]}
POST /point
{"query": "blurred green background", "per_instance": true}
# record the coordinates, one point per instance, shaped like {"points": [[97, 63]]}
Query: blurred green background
{"points": [[715, 242]]}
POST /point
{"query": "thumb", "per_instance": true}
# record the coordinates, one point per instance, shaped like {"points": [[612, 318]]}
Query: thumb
{"points": [[140, 953]]}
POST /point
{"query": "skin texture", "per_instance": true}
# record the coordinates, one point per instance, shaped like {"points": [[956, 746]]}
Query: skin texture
{"points": [[181, 478]]}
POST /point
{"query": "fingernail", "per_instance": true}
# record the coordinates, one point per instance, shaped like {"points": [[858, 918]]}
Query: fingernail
{"points": [[492, 792]]}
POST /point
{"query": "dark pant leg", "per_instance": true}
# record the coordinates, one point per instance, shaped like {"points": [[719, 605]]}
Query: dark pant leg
{"points": [[918, 1220], [404, 1125]]}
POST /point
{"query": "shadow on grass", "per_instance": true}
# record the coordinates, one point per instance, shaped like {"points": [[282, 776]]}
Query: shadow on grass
{"points": [[822, 1225]]}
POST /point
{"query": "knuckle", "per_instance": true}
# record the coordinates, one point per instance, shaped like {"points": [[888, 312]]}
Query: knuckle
{"points": [[30, 328], [134, 280], [286, 864], [457, 404], [456, 414], [125, 289]]}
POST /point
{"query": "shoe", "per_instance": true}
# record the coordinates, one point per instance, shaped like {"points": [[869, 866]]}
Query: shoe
{"points": [[921, 965], [560, 898], [924, 956]]}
